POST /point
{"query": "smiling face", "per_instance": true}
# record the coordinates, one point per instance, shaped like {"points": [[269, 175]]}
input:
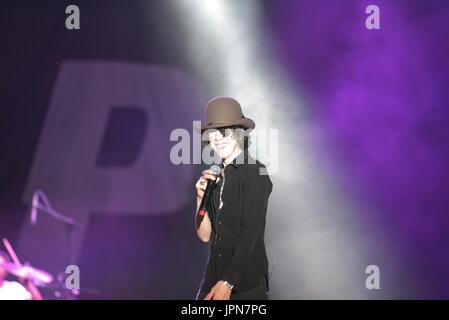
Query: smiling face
{"points": [[223, 142]]}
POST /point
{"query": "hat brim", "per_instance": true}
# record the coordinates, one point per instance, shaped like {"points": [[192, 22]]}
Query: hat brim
{"points": [[246, 123]]}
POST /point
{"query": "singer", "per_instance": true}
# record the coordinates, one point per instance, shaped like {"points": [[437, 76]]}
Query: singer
{"points": [[234, 222]]}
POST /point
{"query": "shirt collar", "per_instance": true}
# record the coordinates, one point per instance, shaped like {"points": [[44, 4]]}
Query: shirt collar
{"points": [[242, 158]]}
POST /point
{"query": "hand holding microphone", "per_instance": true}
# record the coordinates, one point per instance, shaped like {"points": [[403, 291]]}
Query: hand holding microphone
{"points": [[205, 185]]}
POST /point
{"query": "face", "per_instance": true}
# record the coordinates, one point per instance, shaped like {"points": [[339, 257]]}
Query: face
{"points": [[223, 141]]}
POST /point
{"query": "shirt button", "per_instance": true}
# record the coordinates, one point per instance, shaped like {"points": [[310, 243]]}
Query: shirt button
{"points": [[219, 255], [219, 222]]}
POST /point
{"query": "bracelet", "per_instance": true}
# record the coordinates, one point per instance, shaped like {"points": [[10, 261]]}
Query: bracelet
{"points": [[228, 285]]}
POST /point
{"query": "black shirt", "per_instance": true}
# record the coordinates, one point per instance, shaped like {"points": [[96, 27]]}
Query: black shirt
{"points": [[238, 252]]}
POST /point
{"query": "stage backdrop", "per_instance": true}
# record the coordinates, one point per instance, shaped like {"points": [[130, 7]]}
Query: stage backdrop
{"points": [[86, 117]]}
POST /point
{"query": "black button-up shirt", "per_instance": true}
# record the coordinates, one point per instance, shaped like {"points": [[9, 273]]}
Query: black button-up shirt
{"points": [[238, 252]]}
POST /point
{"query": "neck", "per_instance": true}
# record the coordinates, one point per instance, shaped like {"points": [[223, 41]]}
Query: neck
{"points": [[233, 155]]}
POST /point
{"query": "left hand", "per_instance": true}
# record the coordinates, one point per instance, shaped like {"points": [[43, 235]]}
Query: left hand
{"points": [[219, 292]]}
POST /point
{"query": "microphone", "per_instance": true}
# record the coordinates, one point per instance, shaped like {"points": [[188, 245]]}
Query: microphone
{"points": [[34, 209], [208, 192]]}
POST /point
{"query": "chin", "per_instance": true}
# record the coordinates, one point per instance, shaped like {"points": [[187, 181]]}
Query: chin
{"points": [[224, 153]]}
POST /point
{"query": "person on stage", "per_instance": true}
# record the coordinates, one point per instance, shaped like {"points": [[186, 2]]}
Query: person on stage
{"points": [[234, 222]]}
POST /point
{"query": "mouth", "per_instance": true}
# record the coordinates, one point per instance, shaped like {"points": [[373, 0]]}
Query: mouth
{"points": [[221, 145]]}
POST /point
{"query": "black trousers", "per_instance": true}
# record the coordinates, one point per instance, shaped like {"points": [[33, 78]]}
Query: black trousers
{"points": [[258, 293]]}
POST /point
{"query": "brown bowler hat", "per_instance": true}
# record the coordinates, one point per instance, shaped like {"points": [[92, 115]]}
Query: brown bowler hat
{"points": [[225, 112]]}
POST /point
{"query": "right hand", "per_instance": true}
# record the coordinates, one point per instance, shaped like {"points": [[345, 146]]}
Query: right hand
{"points": [[202, 182]]}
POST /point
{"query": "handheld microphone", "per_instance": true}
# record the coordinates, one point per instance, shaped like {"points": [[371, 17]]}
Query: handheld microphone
{"points": [[208, 192]]}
